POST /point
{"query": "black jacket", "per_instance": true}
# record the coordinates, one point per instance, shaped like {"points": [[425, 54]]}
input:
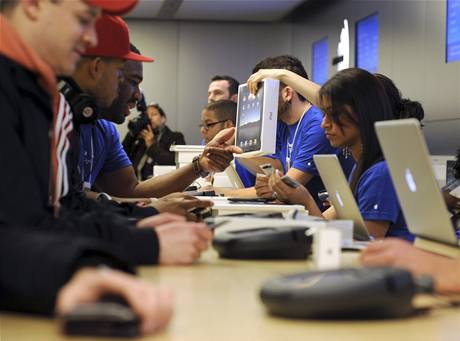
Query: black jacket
{"points": [[35, 265], [158, 153], [26, 114]]}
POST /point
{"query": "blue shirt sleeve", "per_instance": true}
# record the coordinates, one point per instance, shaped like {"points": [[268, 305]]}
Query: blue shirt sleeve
{"points": [[246, 177], [376, 195], [116, 157]]}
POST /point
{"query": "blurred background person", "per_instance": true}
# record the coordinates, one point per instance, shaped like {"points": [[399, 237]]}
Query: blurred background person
{"points": [[149, 140], [223, 87], [217, 116]]}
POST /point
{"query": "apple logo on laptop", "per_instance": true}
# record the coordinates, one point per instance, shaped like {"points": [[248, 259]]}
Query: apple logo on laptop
{"points": [[410, 180], [339, 198]]}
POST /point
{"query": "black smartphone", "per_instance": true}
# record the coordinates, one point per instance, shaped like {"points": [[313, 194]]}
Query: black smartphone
{"points": [[267, 169], [249, 200], [290, 181]]}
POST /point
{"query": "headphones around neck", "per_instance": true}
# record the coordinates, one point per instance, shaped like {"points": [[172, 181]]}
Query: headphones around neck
{"points": [[84, 107]]}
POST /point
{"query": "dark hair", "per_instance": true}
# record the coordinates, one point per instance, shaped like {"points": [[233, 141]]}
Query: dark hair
{"points": [[6, 5], [358, 90], [401, 107], [283, 62], [233, 84], [157, 106], [224, 110]]}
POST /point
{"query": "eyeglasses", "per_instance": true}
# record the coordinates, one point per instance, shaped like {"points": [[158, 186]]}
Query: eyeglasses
{"points": [[210, 125]]}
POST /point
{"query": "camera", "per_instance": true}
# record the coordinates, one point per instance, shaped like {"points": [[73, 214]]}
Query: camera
{"points": [[141, 105], [140, 122]]}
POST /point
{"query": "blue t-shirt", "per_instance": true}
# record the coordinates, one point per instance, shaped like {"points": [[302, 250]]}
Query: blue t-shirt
{"points": [[309, 140], [100, 150], [246, 176], [377, 200]]}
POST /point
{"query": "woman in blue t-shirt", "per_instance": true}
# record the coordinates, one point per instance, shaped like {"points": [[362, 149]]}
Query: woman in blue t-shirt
{"points": [[351, 102]]}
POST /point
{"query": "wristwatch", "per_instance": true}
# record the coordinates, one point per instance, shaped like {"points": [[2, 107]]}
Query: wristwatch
{"points": [[197, 167]]}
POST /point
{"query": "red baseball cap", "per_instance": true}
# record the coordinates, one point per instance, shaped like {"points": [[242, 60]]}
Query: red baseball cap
{"points": [[113, 40], [114, 7]]}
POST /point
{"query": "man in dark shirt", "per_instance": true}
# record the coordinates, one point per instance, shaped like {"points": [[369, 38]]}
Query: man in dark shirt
{"points": [[41, 243]]}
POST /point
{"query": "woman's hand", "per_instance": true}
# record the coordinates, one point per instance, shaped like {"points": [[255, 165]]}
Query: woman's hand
{"points": [[285, 193]]}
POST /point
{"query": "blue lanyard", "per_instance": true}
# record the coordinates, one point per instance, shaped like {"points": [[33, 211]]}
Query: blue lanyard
{"points": [[86, 178]]}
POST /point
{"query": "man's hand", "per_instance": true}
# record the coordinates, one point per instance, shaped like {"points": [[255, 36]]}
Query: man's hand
{"points": [[180, 205], [399, 253], [263, 189], [153, 305], [285, 193], [148, 136], [181, 242], [218, 153]]}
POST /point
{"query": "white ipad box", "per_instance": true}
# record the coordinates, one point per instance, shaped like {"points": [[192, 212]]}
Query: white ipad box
{"points": [[256, 120]]}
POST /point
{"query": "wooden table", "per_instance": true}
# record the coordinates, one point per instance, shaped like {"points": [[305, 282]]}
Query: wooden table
{"points": [[218, 300]]}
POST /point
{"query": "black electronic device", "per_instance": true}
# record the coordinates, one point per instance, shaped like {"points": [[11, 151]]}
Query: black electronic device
{"points": [[290, 182], [84, 107], [249, 200], [213, 224], [201, 193], [323, 196], [267, 169], [141, 104], [110, 317], [201, 212], [264, 243], [137, 124], [341, 294]]}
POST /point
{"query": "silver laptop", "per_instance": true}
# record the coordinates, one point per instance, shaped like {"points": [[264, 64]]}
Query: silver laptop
{"points": [[340, 193], [410, 167]]}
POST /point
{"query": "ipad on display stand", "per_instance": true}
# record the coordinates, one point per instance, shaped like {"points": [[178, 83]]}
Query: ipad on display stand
{"points": [[256, 120]]}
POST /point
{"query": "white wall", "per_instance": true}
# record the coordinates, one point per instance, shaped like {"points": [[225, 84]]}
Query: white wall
{"points": [[188, 54], [411, 52]]}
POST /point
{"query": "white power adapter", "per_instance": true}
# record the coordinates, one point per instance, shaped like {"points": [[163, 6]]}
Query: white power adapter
{"points": [[327, 248]]}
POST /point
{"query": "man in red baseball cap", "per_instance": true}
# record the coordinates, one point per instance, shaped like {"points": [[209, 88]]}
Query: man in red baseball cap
{"points": [[114, 7], [103, 162], [102, 158], [100, 70], [95, 85], [40, 39]]}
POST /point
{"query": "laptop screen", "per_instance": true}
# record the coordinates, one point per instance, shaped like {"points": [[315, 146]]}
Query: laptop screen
{"points": [[450, 171]]}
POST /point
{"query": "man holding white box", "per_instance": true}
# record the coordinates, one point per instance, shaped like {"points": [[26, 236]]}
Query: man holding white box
{"points": [[299, 135]]}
